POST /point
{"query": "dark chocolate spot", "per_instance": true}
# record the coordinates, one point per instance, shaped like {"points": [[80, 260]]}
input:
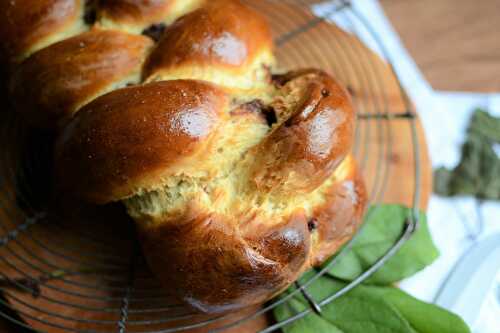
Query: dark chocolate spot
{"points": [[312, 224], [279, 80], [155, 31], [130, 84], [270, 114], [258, 106], [90, 12]]}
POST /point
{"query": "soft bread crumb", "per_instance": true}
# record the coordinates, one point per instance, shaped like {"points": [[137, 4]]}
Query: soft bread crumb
{"points": [[226, 186]]}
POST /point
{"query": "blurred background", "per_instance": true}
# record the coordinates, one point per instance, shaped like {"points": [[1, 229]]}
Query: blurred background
{"points": [[448, 53], [454, 43]]}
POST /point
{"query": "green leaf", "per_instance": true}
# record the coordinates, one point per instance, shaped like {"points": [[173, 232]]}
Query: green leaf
{"points": [[383, 227], [351, 313], [485, 125], [478, 172], [364, 313], [366, 309], [309, 323], [423, 317]]}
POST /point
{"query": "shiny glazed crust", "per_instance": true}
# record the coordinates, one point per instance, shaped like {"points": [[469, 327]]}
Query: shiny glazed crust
{"points": [[238, 180], [72, 72], [120, 143], [29, 25], [137, 15], [220, 41]]}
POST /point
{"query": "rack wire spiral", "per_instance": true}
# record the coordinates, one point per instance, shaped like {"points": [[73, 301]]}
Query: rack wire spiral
{"points": [[84, 272]]}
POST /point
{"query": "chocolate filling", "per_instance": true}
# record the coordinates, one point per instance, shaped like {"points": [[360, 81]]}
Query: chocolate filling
{"points": [[279, 80], [155, 31], [90, 12], [270, 115], [258, 106], [312, 224]]}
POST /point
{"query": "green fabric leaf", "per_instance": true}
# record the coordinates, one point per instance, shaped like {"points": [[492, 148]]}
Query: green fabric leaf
{"points": [[478, 172], [383, 227]]}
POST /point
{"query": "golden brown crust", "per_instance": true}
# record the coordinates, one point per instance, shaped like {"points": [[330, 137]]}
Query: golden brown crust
{"points": [[123, 141], [137, 15], [217, 265], [305, 149], [340, 216], [222, 34], [135, 12], [28, 25], [215, 269], [50, 86]]}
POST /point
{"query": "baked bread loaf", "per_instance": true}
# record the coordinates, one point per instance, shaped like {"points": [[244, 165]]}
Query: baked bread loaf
{"points": [[239, 179]]}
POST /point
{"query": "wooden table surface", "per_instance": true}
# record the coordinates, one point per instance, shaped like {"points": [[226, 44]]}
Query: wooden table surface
{"points": [[456, 43]]}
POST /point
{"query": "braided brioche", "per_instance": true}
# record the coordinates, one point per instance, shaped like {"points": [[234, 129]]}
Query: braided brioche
{"points": [[238, 180]]}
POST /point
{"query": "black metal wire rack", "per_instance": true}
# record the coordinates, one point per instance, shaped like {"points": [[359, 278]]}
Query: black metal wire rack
{"points": [[84, 272]]}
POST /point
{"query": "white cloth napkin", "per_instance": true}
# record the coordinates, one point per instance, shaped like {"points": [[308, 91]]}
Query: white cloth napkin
{"points": [[445, 116]]}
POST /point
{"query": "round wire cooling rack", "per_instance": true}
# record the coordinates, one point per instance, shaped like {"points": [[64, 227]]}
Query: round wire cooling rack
{"points": [[83, 272]]}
